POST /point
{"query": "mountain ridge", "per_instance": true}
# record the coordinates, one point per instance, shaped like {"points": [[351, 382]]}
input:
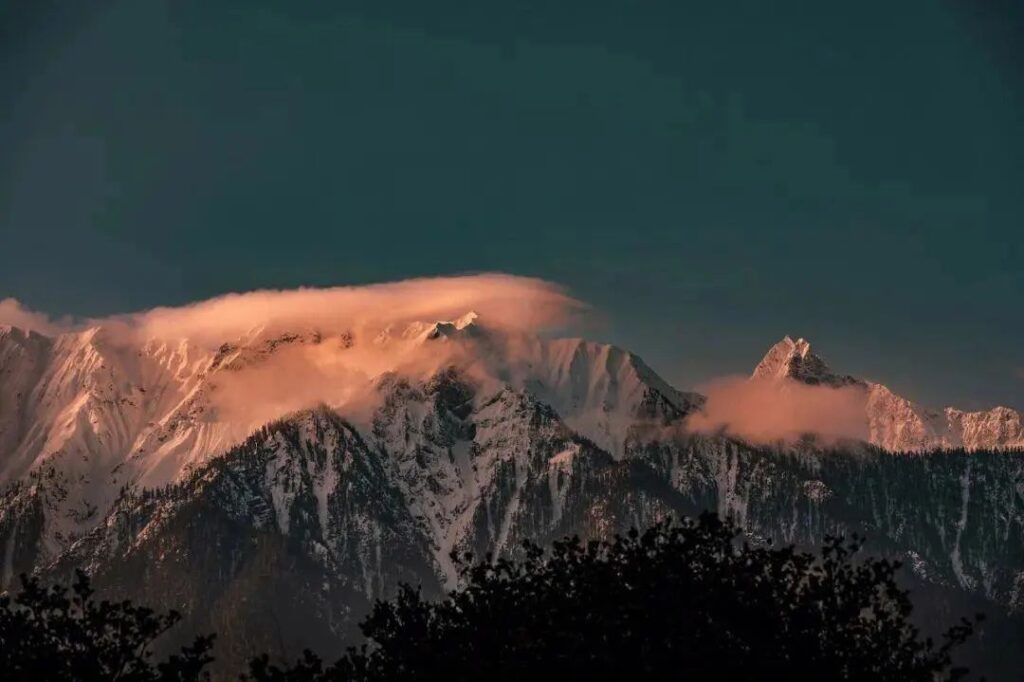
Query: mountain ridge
{"points": [[895, 423]]}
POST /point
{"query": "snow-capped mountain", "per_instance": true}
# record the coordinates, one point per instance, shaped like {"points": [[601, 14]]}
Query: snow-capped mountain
{"points": [[85, 414], [324, 469], [894, 422]]}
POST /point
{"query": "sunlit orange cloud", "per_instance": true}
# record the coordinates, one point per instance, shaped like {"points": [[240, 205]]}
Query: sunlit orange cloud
{"points": [[505, 300], [772, 410]]}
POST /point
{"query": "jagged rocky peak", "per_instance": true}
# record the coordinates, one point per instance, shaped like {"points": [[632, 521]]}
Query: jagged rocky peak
{"points": [[467, 325], [789, 359]]}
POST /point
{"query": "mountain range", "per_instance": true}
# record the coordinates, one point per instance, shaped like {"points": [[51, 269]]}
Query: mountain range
{"points": [[272, 504]]}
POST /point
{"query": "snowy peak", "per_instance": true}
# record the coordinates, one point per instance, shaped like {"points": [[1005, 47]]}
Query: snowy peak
{"points": [[466, 326], [469, 318], [789, 359], [894, 422]]}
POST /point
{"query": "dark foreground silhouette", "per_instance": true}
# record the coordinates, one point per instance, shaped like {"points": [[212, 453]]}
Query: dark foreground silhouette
{"points": [[682, 601], [59, 634]]}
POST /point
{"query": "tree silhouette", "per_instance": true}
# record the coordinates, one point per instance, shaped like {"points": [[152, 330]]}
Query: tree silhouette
{"points": [[52, 633], [681, 601]]}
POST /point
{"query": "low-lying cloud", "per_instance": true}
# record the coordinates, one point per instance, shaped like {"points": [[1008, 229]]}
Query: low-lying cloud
{"points": [[767, 411]]}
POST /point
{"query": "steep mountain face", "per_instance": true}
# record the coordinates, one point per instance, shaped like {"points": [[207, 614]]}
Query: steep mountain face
{"points": [[276, 543], [894, 422], [603, 392], [87, 414], [73, 407]]}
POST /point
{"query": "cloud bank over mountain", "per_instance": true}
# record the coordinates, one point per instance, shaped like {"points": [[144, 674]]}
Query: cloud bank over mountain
{"points": [[305, 346], [516, 302], [510, 301]]}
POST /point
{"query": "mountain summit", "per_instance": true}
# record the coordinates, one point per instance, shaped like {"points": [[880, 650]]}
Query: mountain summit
{"points": [[789, 359]]}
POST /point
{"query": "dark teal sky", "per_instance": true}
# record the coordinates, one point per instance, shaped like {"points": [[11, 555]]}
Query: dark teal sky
{"points": [[710, 176]]}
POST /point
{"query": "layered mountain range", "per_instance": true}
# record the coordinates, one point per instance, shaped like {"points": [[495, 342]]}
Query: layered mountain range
{"points": [[148, 464]]}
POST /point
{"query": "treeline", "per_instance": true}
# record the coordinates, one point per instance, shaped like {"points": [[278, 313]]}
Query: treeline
{"points": [[684, 600]]}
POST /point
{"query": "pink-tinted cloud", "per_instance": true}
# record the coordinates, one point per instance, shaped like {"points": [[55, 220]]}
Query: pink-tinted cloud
{"points": [[516, 302], [769, 411], [13, 313]]}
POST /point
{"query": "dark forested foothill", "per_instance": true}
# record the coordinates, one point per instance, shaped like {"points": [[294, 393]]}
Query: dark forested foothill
{"points": [[685, 600]]}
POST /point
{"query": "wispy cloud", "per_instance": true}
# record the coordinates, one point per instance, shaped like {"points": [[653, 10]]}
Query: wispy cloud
{"points": [[516, 302]]}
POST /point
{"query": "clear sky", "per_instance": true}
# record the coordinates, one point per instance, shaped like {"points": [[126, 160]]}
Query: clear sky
{"points": [[709, 176]]}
